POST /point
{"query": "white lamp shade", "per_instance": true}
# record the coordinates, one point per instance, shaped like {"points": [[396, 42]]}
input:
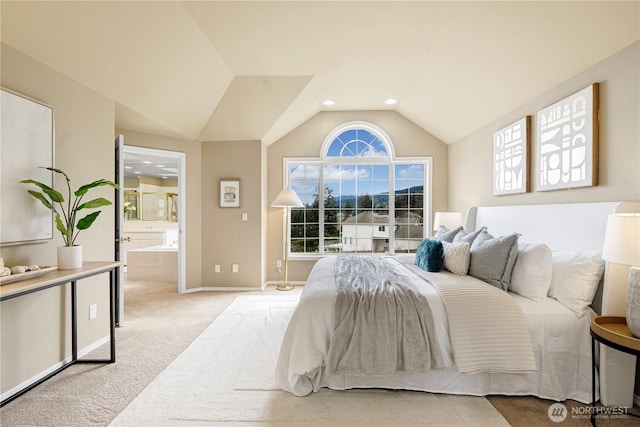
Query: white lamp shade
{"points": [[450, 220], [622, 239], [287, 198]]}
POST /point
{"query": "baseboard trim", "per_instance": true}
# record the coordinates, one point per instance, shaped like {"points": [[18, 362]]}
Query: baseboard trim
{"points": [[53, 368], [223, 288], [239, 288]]}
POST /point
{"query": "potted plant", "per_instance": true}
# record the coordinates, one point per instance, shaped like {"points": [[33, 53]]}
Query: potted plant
{"points": [[67, 213]]}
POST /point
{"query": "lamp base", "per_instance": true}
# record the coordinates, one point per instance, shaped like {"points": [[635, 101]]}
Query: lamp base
{"points": [[633, 302], [284, 287]]}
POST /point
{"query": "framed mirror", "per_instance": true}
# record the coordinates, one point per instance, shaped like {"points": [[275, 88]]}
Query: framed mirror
{"points": [[131, 205], [154, 207]]}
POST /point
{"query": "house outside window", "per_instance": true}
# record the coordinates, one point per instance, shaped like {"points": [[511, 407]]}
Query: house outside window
{"points": [[358, 197]]}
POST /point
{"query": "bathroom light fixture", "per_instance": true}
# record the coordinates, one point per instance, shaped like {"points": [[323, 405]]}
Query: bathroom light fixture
{"points": [[286, 199]]}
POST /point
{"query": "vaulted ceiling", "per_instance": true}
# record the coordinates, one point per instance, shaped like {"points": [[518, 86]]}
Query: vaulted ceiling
{"points": [[240, 70]]}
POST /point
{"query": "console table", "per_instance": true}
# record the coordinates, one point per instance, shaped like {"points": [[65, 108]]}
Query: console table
{"points": [[59, 278]]}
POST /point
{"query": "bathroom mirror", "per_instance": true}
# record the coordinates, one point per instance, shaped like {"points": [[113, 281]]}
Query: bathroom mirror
{"points": [[131, 205], [154, 207]]}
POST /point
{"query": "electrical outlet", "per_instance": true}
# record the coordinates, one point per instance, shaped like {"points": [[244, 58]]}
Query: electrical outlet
{"points": [[217, 268], [234, 268], [279, 263], [93, 311]]}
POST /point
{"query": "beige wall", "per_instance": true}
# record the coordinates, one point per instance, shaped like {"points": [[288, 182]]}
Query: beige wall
{"points": [[35, 328], [470, 172], [226, 238], [408, 140], [193, 181]]}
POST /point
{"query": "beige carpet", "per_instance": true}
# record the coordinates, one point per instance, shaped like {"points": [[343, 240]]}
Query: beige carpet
{"points": [[160, 324], [226, 377]]}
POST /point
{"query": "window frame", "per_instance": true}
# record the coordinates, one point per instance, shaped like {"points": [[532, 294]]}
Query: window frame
{"points": [[390, 159]]}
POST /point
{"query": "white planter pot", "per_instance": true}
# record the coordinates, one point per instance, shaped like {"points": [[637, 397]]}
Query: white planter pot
{"points": [[69, 257]]}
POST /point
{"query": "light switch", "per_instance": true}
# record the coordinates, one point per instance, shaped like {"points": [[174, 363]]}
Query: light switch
{"points": [[244, 216]]}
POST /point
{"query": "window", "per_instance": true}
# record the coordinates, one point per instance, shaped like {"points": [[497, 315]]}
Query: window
{"points": [[357, 197]]}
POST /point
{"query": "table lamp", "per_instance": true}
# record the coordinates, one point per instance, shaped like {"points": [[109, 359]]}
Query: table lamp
{"points": [[622, 246], [450, 220]]}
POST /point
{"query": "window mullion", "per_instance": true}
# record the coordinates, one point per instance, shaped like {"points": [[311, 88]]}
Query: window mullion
{"points": [[321, 249], [392, 209]]}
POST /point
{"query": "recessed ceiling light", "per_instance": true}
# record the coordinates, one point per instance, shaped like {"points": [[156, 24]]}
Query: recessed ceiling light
{"points": [[160, 166], [137, 172], [128, 167], [390, 101], [147, 162], [328, 102]]}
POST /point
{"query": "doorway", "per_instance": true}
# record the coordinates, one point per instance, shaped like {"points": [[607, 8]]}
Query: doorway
{"points": [[154, 211]]}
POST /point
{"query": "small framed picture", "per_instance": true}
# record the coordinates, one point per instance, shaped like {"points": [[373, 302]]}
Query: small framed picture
{"points": [[229, 193]]}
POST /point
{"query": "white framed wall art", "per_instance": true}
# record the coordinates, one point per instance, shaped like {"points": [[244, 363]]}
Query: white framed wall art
{"points": [[26, 148], [511, 161], [567, 142]]}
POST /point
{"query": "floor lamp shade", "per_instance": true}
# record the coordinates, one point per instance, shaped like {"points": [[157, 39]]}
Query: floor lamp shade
{"points": [[286, 199], [622, 246]]}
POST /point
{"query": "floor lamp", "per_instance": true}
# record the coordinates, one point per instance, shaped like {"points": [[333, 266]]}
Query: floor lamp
{"points": [[286, 200]]}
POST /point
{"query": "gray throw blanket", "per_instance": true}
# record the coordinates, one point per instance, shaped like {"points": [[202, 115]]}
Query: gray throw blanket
{"points": [[382, 322]]}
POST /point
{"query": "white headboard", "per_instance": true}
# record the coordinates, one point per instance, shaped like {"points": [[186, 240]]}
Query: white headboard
{"points": [[563, 227]]}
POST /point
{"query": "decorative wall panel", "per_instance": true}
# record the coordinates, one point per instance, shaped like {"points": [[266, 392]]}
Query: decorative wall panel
{"points": [[511, 158], [567, 142], [26, 146]]}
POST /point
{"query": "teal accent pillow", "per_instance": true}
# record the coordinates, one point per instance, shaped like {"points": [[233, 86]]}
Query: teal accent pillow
{"points": [[430, 255]]}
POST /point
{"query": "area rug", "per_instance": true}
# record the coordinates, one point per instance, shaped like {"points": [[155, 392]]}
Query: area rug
{"points": [[226, 377]]}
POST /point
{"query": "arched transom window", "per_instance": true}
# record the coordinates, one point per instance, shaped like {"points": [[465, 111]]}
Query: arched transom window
{"points": [[358, 198]]}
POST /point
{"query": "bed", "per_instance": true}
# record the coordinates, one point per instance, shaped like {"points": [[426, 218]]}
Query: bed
{"points": [[557, 331]]}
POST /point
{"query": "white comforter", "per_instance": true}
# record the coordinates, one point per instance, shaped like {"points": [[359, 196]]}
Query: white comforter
{"points": [[561, 345]]}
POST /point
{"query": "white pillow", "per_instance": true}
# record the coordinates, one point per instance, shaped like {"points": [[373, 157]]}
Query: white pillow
{"points": [[456, 257], [531, 276], [575, 278]]}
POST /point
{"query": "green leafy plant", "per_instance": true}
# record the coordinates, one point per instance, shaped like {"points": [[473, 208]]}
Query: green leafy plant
{"points": [[66, 213]]}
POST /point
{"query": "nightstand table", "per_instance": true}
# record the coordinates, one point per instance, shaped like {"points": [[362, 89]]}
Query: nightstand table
{"points": [[613, 332]]}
